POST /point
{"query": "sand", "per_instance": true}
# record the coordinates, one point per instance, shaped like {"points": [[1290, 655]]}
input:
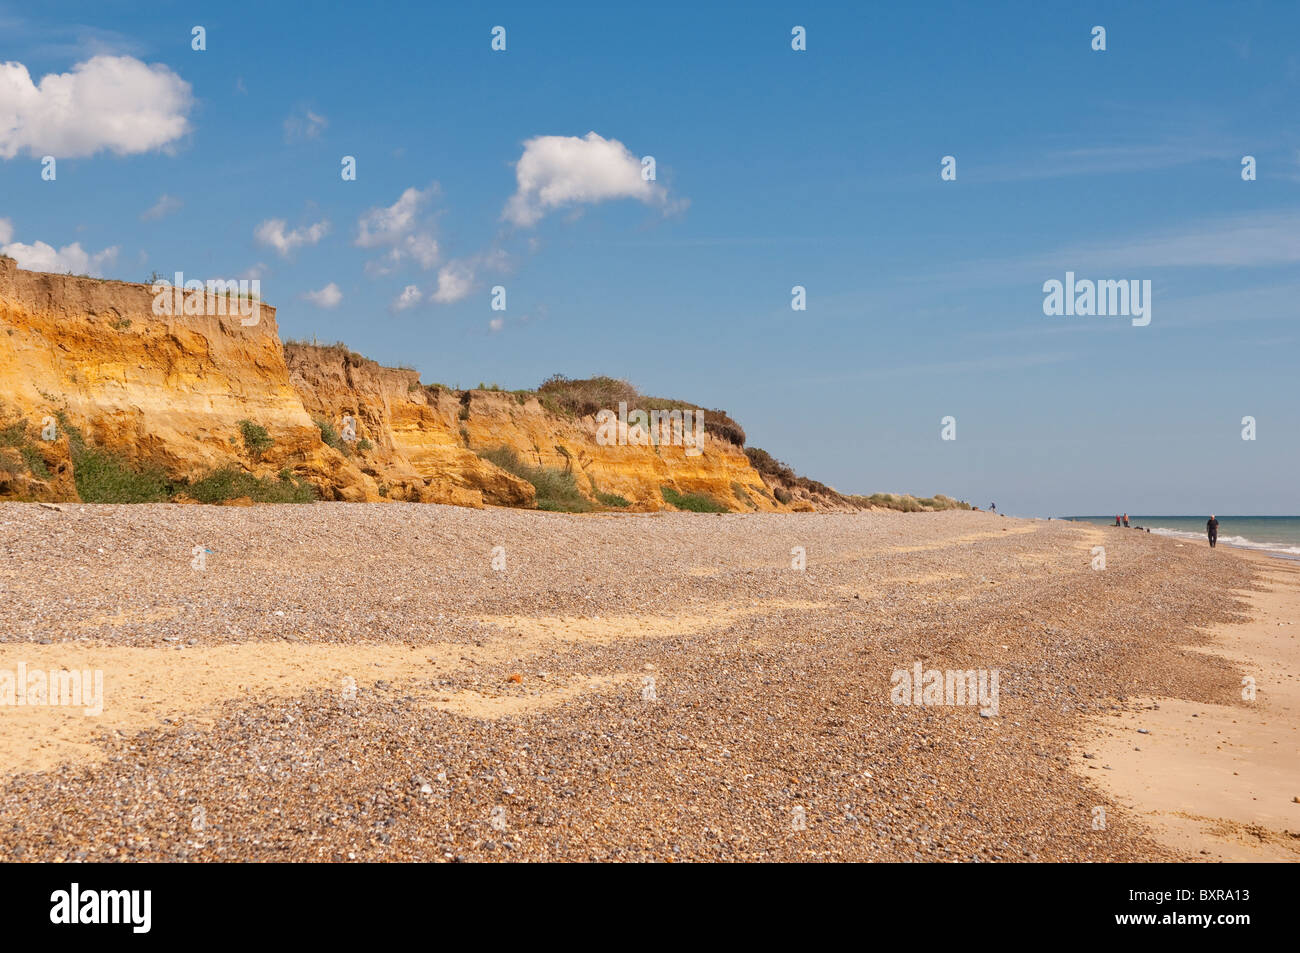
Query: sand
{"points": [[355, 682], [1222, 782]]}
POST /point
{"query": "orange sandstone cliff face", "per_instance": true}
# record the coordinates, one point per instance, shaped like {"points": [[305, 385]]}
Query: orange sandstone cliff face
{"points": [[163, 390], [171, 390], [436, 434]]}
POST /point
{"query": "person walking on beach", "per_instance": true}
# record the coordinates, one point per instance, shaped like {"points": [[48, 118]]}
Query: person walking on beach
{"points": [[1212, 530], [1117, 523], [1126, 521]]}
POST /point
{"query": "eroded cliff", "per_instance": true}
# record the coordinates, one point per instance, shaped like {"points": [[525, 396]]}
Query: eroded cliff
{"points": [[86, 363]]}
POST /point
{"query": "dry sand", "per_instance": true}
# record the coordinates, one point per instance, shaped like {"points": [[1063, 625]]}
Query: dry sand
{"points": [[356, 682], [1221, 782]]}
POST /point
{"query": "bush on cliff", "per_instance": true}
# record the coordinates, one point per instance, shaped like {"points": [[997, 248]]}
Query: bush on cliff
{"points": [[16, 436], [256, 440], [105, 477], [556, 489], [331, 437], [231, 484]]}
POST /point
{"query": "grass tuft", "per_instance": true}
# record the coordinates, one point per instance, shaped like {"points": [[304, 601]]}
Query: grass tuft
{"points": [[692, 502], [557, 490]]}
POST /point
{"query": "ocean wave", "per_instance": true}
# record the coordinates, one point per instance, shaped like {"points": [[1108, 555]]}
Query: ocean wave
{"points": [[1240, 542]]}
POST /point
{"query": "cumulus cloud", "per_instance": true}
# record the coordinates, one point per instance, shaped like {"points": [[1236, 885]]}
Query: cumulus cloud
{"points": [[166, 205], [39, 256], [113, 103], [273, 234], [556, 171], [455, 281], [409, 298], [399, 228], [308, 125], [327, 297]]}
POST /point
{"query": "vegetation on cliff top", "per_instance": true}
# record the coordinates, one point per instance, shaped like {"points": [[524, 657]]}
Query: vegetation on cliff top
{"points": [[785, 479], [585, 397]]}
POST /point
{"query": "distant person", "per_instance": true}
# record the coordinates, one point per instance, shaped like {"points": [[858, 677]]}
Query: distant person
{"points": [[1126, 521], [1117, 522], [993, 507], [1212, 530]]}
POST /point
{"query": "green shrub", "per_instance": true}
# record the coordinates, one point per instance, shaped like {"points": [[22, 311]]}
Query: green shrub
{"points": [[229, 483], [15, 435], [557, 490], [613, 499], [739, 491], [331, 437], [692, 502], [35, 462], [105, 477], [256, 440]]}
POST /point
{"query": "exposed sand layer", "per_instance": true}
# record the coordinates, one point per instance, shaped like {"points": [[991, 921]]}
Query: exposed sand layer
{"points": [[1221, 782], [357, 682]]}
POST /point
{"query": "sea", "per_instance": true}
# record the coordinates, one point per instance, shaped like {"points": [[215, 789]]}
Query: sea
{"points": [[1279, 535]]}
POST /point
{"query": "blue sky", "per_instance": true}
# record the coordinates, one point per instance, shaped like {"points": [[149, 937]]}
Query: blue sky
{"points": [[774, 168]]}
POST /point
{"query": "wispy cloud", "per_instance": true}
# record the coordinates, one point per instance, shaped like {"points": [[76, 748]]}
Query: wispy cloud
{"points": [[401, 229], [1251, 240], [305, 124], [166, 205], [982, 365], [1101, 160]]}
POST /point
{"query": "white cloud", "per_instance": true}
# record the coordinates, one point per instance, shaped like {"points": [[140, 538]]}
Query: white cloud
{"points": [[272, 233], [456, 278], [455, 281], [114, 103], [409, 298], [496, 324], [398, 227], [309, 125], [166, 205], [555, 171], [42, 257], [327, 297]]}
